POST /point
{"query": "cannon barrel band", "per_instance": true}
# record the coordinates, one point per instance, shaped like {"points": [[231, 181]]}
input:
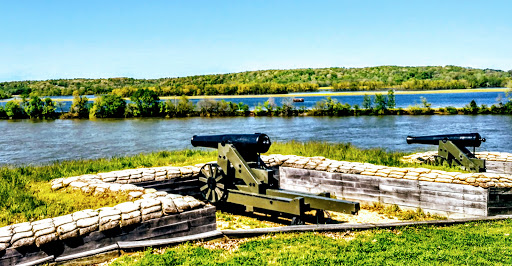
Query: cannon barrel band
{"points": [[466, 139], [257, 142]]}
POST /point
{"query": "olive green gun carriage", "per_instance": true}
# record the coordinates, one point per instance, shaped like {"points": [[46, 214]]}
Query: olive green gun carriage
{"points": [[452, 149], [241, 177]]}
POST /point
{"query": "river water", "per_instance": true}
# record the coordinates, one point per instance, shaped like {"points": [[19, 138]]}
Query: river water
{"points": [[37, 142]]}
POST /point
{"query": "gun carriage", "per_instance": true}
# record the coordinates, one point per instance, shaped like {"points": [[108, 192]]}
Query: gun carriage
{"points": [[241, 177], [452, 149]]}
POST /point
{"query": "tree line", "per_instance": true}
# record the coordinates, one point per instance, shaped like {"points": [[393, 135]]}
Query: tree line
{"points": [[273, 81], [146, 103]]}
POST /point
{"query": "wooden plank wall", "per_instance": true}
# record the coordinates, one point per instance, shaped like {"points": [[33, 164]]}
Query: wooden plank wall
{"points": [[442, 197], [182, 224], [499, 167]]}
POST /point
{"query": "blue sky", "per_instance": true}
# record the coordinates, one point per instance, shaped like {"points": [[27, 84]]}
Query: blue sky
{"points": [[154, 39]]}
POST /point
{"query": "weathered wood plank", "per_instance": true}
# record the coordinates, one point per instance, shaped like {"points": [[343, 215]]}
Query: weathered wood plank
{"points": [[446, 187]]}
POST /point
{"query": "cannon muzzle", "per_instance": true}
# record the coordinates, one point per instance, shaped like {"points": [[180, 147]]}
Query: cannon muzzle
{"points": [[257, 142], [467, 140]]}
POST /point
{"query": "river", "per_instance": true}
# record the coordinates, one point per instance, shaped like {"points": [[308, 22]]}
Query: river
{"points": [[37, 142]]}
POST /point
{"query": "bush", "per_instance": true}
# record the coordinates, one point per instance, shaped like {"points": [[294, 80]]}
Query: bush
{"points": [[452, 110], [109, 105], [145, 103], [79, 107], [14, 110]]}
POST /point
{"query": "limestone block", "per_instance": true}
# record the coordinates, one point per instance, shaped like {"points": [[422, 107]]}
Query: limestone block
{"points": [[130, 215], [127, 207], [60, 220], [173, 173], [87, 189], [368, 173], [66, 228], [77, 184], [181, 204], [107, 176], [147, 203], [471, 180], [87, 213], [87, 222], [123, 178], [135, 194], [168, 206], [443, 180], [310, 165], [157, 208], [411, 177], [135, 176], [113, 187], [160, 178], [21, 235], [110, 218], [4, 246], [45, 239], [108, 211], [132, 221], [193, 202], [69, 234], [109, 180], [160, 193], [23, 242], [152, 215], [86, 230], [5, 239], [110, 224], [21, 227], [185, 172], [45, 231], [67, 181], [42, 224]]}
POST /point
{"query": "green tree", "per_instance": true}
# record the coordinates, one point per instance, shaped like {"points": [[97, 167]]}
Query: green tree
{"points": [[34, 107], [49, 109], [14, 110], [184, 107], [391, 103], [80, 106], [146, 103], [367, 102], [109, 105], [381, 103]]}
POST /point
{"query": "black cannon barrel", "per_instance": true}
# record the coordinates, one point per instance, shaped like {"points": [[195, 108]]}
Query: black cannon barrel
{"points": [[467, 139], [257, 142]]}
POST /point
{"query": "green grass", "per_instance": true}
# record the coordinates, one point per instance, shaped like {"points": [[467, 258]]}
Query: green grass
{"points": [[394, 211], [25, 194], [229, 221], [481, 243], [349, 152]]}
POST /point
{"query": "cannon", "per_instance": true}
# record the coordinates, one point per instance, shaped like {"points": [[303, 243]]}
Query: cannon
{"points": [[240, 177], [452, 149]]}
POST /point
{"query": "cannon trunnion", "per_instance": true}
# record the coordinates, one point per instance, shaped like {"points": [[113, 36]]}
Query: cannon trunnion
{"points": [[241, 177], [452, 149]]}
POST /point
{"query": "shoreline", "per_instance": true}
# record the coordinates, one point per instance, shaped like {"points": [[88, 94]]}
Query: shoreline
{"points": [[325, 94]]}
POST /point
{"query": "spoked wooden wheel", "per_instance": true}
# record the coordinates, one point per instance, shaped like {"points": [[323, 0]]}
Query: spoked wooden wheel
{"points": [[212, 186]]}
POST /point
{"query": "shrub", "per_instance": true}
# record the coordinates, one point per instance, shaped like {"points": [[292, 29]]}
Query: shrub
{"points": [[109, 105]]}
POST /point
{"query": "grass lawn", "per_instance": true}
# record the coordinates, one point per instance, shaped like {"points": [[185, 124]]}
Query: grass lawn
{"points": [[25, 193], [478, 243]]}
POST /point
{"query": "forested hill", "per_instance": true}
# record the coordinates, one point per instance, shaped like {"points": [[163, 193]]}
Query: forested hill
{"points": [[275, 81]]}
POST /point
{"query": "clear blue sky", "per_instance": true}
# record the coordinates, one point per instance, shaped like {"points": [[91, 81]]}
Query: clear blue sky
{"points": [[153, 39]]}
